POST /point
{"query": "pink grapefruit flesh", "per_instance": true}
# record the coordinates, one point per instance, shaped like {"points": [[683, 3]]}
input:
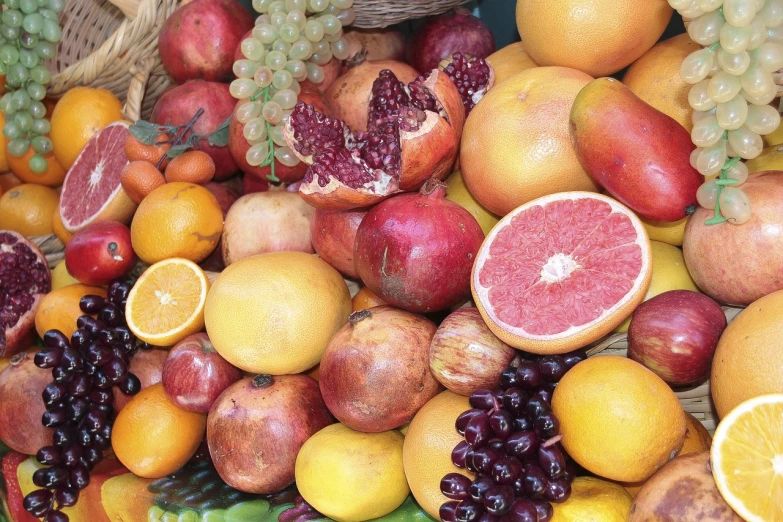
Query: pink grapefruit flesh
{"points": [[91, 191], [561, 271]]}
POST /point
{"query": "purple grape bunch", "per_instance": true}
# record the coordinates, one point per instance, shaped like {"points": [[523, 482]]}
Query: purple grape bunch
{"points": [[79, 399], [513, 447]]}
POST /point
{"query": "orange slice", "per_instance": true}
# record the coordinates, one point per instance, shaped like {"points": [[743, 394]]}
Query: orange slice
{"points": [[747, 458], [167, 302]]}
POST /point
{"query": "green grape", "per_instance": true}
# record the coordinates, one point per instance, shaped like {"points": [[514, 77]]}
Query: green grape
{"points": [[256, 154], [297, 18], [321, 59], [12, 18], [262, 6], [245, 68], [17, 74], [340, 49], [3, 68], [286, 156], [342, 4], [331, 10], [28, 6], [12, 4], [242, 88], [51, 31], [21, 99], [331, 24], [331, 38], [314, 30], [265, 33], [9, 54], [315, 73], [317, 6], [45, 50], [42, 145], [286, 98], [9, 33], [41, 126], [36, 91], [42, 3], [29, 41], [295, 86], [40, 74], [252, 49], [33, 23], [282, 79], [28, 58], [18, 146], [23, 120], [301, 50], [295, 5], [248, 111], [11, 130], [263, 77], [263, 19], [275, 60], [49, 15], [347, 16], [278, 138], [56, 5], [38, 164], [322, 47], [254, 129], [5, 100], [36, 109], [282, 46], [277, 19], [289, 32], [278, 6], [272, 112]]}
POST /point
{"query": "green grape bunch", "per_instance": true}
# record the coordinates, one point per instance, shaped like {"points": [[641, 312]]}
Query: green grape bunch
{"points": [[29, 33]]}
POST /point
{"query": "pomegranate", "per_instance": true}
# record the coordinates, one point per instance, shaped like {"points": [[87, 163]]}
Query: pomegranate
{"points": [[738, 264], [21, 407], [377, 44], [416, 251], [333, 233], [465, 355], [440, 36], [147, 365], [198, 40], [100, 252], [178, 105], [257, 426], [332, 71], [414, 134], [24, 279], [274, 221], [238, 49], [238, 145], [252, 184], [362, 381], [474, 77]]}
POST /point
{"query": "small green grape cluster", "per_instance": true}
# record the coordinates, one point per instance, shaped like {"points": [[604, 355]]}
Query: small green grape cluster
{"points": [[29, 33], [290, 43]]}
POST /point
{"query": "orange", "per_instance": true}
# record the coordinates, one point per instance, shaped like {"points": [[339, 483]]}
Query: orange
{"points": [[139, 178], [697, 438], [516, 145], [28, 209], [747, 458], [61, 277], [152, 437], [167, 302], [599, 37], [53, 176], [59, 309], [138, 151], [747, 361], [194, 166], [426, 452], [275, 313], [655, 78], [618, 419], [59, 229], [365, 298], [510, 60], [3, 140], [177, 220], [77, 117]]}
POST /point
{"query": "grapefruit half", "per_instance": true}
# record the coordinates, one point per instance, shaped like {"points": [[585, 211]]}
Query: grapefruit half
{"points": [[91, 191], [561, 271]]}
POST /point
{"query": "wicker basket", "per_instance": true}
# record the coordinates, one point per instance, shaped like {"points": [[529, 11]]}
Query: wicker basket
{"points": [[372, 14], [695, 400]]}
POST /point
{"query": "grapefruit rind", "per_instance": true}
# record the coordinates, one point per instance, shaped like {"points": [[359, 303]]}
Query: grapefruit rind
{"points": [[576, 336], [772, 424]]}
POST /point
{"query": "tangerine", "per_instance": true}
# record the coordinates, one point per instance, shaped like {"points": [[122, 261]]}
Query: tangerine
{"points": [[194, 166], [139, 178], [28, 210], [138, 151], [59, 309], [53, 176]]}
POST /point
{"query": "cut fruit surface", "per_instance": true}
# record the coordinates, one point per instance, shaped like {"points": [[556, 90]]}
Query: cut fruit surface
{"points": [[747, 458], [561, 271], [91, 191], [167, 302]]}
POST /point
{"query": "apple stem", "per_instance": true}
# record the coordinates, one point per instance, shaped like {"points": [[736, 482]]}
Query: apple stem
{"points": [[360, 315], [263, 380]]}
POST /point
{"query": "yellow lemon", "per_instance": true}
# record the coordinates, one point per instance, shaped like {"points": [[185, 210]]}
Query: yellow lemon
{"points": [[458, 193], [61, 277], [774, 138], [666, 232], [770, 158], [594, 500]]}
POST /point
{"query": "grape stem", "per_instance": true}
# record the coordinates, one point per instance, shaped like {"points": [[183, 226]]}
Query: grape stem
{"points": [[722, 181], [270, 156]]}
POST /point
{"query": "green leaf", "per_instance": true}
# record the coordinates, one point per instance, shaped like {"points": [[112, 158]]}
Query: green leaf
{"points": [[219, 138], [145, 132], [176, 150]]}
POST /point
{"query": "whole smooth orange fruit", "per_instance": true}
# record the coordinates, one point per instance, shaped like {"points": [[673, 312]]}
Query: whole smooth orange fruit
{"points": [[510, 60], [28, 209], [59, 308]]}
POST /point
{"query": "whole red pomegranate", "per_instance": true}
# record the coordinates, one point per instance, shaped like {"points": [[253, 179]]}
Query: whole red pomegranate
{"points": [[24, 279], [362, 380], [147, 365], [441, 36], [257, 426], [100, 252], [198, 40], [377, 44], [737, 264], [252, 184], [21, 406], [333, 233], [416, 251], [178, 105]]}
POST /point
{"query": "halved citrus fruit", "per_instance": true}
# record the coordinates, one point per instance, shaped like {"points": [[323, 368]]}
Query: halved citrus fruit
{"points": [[561, 271], [167, 302], [91, 191], [747, 458]]}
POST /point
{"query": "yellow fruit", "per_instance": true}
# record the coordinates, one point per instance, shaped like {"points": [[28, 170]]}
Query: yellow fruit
{"points": [[177, 220], [599, 37], [747, 458], [126, 497], [61, 277], [28, 209], [78, 116], [593, 500], [274, 313], [770, 158], [670, 233], [459, 194], [510, 60], [167, 302], [59, 309], [152, 437], [774, 138], [669, 273], [352, 476], [430, 438], [59, 230], [697, 438], [618, 419], [655, 78]]}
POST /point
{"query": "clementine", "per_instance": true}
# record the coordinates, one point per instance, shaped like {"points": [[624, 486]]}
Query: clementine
{"points": [[28, 209], [53, 176], [139, 178], [59, 309], [194, 166]]}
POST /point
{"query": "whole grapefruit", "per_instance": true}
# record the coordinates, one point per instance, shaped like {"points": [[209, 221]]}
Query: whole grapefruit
{"points": [[509, 60]]}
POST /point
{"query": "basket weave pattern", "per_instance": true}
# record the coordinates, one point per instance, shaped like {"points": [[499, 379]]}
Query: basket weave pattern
{"points": [[372, 14]]}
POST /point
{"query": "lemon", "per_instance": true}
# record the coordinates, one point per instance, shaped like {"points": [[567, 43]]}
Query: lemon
{"points": [[774, 138], [668, 273], [352, 476], [61, 277], [593, 500], [770, 158], [458, 193], [666, 232]]}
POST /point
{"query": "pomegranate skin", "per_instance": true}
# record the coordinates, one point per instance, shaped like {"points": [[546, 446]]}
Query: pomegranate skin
{"points": [[257, 426], [147, 365], [416, 251], [178, 105], [197, 42], [362, 381], [21, 407], [441, 36], [378, 44], [333, 233]]}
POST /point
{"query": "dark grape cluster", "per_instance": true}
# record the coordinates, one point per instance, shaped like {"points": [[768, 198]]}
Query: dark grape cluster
{"points": [[79, 399], [512, 445]]}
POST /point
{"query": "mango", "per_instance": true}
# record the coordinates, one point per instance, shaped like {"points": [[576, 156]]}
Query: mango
{"points": [[126, 498]]}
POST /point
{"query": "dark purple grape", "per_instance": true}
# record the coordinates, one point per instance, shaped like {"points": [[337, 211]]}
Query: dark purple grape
{"points": [[455, 486], [62, 437], [71, 455], [458, 454], [54, 392], [543, 394], [522, 510], [500, 422], [547, 425], [557, 490], [119, 292], [61, 375], [469, 460], [79, 339], [508, 379], [130, 386], [118, 352], [484, 459], [514, 401], [56, 516], [112, 288], [80, 385], [552, 367], [571, 359], [106, 431], [478, 432], [90, 304], [94, 420], [71, 360], [551, 461], [111, 315], [528, 374], [498, 500], [124, 334], [478, 489], [447, 512], [55, 339], [108, 336], [519, 485], [506, 470], [465, 417], [101, 396], [49, 455], [101, 380], [37, 502], [89, 369], [497, 445], [522, 423], [486, 517], [535, 481], [522, 444], [54, 417], [83, 436], [145, 346], [544, 509], [105, 408], [66, 497], [50, 477], [570, 471], [115, 369], [468, 511], [482, 400], [76, 409], [101, 441], [535, 407], [99, 354], [48, 358], [79, 477]]}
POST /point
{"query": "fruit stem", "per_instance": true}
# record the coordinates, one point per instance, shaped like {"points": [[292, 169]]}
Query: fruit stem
{"points": [[263, 380], [270, 156], [360, 315], [181, 133], [433, 188], [720, 182]]}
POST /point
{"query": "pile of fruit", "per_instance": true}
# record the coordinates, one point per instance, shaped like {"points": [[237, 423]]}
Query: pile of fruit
{"points": [[350, 275]]}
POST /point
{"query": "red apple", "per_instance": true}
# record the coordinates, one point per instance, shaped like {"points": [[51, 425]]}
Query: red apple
{"points": [[99, 253], [675, 334], [194, 374]]}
